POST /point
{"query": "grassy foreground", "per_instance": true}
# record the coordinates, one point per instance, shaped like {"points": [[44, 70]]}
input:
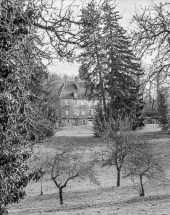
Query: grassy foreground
{"points": [[81, 197]]}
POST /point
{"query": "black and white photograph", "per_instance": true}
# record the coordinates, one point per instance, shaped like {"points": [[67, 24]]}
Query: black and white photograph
{"points": [[84, 107]]}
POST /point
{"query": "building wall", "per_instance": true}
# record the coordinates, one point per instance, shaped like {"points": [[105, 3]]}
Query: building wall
{"points": [[77, 111]]}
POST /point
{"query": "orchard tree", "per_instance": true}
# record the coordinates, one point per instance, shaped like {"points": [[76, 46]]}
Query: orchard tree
{"points": [[144, 165], [67, 165], [118, 144]]}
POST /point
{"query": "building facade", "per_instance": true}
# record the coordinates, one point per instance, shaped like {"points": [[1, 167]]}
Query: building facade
{"points": [[75, 108]]}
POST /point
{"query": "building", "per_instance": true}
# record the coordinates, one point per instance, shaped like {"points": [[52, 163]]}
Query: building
{"points": [[75, 108]]}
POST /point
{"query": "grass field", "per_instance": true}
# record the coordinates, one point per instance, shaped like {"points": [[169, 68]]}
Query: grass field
{"points": [[81, 197]]}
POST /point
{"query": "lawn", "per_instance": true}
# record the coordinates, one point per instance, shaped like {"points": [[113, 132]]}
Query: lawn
{"points": [[82, 197]]}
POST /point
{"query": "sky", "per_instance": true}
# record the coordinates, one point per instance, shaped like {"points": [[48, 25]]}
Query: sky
{"points": [[126, 8]]}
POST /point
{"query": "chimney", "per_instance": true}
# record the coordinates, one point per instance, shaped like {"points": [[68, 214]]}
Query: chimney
{"points": [[76, 81]]}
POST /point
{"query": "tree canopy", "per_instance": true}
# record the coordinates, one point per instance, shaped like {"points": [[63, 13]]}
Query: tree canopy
{"points": [[151, 36]]}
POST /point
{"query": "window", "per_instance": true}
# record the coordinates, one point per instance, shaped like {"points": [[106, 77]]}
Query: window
{"points": [[82, 102], [66, 112], [75, 102], [82, 112], [66, 102], [90, 102], [95, 102], [76, 112], [90, 112]]}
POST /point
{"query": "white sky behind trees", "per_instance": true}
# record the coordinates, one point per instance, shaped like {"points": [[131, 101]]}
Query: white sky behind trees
{"points": [[126, 9]]}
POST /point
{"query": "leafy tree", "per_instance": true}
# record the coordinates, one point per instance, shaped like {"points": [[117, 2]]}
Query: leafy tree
{"points": [[162, 110], [17, 122], [22, 119]]}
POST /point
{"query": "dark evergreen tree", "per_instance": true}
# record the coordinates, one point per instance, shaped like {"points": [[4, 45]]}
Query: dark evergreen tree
{"points": [[100, 120], [108, 64], [162, 110], [91, 58], [124, 69]]}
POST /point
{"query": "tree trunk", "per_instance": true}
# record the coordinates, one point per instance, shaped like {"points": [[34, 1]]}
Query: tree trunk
{"points": [[100, 75], [118, 177], [61, 196], [141, 191], [41, 186]]}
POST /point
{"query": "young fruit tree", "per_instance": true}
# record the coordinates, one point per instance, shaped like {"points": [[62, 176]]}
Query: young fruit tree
{"points": [[67, 165], [144, 165], [118, 144]]}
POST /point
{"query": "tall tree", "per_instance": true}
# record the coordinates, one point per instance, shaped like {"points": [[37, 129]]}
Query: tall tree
{"points": [[119, 68], [18, 65], [22, 51], [124, 69], [92, 55]]}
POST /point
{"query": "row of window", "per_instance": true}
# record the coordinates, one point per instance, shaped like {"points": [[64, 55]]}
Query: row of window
{"points": [[81, 112], [79, 102]]}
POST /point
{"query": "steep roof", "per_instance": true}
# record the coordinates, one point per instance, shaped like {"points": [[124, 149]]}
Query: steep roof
{"points": [[72, 89]]}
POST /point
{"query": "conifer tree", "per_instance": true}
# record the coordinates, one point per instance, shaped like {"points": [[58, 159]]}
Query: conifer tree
{"points": [[124, 69], [108, 64], [92, 55]]}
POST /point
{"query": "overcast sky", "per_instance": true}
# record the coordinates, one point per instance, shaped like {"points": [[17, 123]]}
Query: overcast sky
{"points": [[126, 9]]}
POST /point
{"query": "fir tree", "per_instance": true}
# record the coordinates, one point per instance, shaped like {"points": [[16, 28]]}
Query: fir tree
{"points": [[99, 120], [92, 55], [124, 69], [108, 64]]}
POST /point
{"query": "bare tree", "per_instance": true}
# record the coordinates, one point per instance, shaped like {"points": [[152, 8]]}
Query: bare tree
{"points": [[118, 144], [67, 165], [144, 165], [151, 36]]}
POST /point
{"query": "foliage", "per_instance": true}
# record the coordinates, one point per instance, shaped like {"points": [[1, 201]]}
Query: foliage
{"points": [[17, 122], [143, 165], [163, 111], [24, 50]]}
